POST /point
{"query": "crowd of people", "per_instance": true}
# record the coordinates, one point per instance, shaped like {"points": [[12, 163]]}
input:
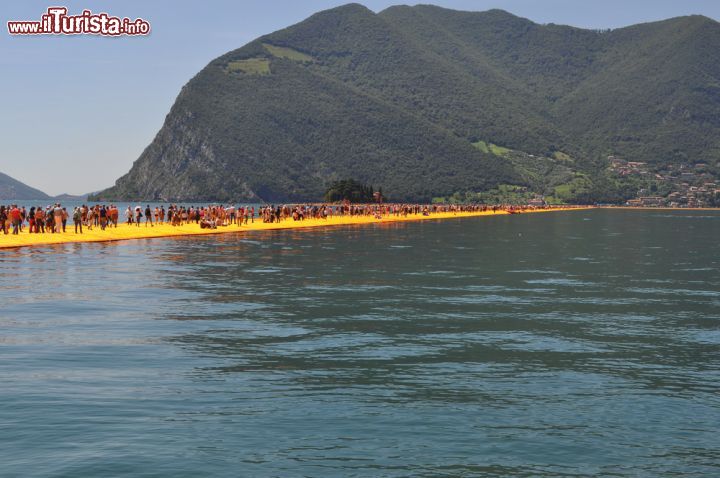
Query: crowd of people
{"points": [[54, 218]]}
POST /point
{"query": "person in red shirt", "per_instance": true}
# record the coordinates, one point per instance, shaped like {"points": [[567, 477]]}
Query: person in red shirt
{"points": [[15, 219]]}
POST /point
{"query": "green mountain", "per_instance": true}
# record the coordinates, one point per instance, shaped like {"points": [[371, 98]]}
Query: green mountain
{"points": [[405, 99], [13, 189]]}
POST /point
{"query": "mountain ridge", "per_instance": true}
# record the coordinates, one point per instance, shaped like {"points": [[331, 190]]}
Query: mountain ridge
{"points": [[11, 188], [398, 98]]}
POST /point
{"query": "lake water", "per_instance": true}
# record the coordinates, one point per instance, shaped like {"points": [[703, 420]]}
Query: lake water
{"points": [[584, 343]]}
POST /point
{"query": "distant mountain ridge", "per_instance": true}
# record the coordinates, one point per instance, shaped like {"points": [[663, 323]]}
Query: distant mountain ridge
{"points": [[13, 189], [402, 99]]}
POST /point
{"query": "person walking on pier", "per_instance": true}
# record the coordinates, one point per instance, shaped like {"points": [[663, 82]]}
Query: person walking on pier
{"points": [[3, 220], [77, 219], [103, 217], [58, 217], [148, 216], [15, 219]]}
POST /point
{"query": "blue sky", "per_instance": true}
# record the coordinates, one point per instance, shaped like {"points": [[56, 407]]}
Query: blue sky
{"points": [[78, 110]]}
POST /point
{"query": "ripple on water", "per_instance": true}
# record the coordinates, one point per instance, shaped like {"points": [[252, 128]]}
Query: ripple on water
{"points": [[565, 282], [331, 353]]}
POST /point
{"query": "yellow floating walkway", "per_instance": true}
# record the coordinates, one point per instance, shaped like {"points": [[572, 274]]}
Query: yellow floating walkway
{"points": [[125, 232]]}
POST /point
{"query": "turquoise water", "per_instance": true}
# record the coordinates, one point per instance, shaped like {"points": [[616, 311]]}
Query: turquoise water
{"points": [[567, 344]]}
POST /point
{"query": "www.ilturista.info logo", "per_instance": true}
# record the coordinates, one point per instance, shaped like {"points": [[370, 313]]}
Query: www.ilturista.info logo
{"points": [[57, 22]]}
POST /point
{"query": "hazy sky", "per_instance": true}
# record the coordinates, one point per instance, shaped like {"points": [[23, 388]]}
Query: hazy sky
{"points": [[78, 110]]}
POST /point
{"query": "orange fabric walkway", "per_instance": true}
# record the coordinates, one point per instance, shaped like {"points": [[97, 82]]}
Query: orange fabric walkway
{"points": [[125, 232]]}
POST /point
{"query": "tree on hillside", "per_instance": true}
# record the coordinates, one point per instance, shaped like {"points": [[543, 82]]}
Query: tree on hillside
{"points": [[349, 190]]}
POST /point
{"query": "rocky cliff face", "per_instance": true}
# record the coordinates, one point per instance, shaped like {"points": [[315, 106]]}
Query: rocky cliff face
{"points": [[181, 164]]}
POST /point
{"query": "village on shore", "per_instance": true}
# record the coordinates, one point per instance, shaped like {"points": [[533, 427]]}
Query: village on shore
{"points": [[677, 186]]}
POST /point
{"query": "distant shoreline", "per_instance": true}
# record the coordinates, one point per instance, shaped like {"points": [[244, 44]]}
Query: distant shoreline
{"points": [[660, 208]]}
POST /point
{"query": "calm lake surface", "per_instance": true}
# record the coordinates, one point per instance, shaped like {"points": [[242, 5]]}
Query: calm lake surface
{"points": [[583, 343]]}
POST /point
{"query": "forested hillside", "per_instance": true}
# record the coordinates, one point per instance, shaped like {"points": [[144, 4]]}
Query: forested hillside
{"points": [[403, 98]]}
